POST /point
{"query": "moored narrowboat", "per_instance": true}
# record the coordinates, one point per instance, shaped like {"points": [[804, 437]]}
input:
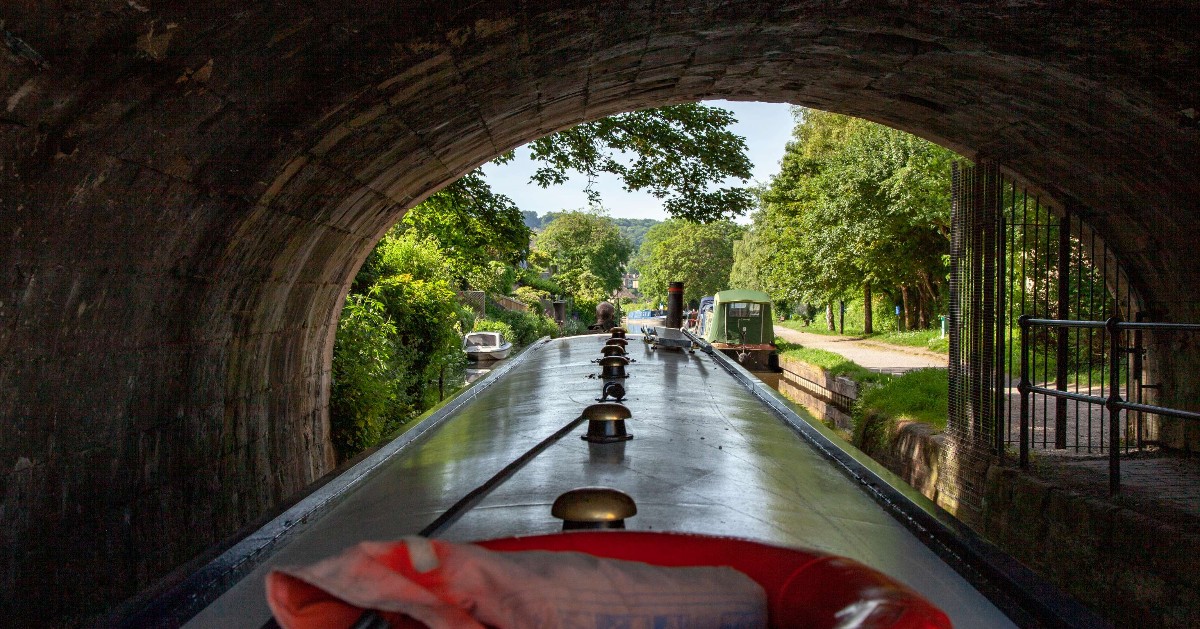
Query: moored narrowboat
{"points": [[691, 451], [738, 323]]}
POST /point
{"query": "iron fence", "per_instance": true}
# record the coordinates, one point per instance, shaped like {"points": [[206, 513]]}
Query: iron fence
{"points": [[1014, 253], [1055, 267], [1113, 403]]}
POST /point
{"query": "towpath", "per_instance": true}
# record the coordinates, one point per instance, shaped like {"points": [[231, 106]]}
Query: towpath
{"points": [[872, 355], [1154, 482]]}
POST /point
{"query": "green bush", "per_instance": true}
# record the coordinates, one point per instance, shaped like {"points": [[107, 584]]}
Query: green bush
{"points": [[574, 327], [492, 325], [363, 364], [493, 277], [585, 309], [531, 296], [398, 347], [527, 327], [919, 395], [534, 280]]}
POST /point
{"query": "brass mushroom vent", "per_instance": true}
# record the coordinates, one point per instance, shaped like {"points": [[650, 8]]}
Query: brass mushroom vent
{"points": [[612, 367], [612, 350], [593, 508], [606, 422], [617, 333]]}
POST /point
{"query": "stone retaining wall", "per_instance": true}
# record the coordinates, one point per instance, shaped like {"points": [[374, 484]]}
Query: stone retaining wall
{"points": [[913, 455], [1132, 569], [827, 397]]}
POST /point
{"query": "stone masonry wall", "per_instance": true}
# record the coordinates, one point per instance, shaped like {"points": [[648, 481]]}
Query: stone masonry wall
{"points": [[829, 398], [1133, 569]]}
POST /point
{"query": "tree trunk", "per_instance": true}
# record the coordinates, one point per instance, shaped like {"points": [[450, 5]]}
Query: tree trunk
{"points": [[829, 317], [867, 327], [904, 321], [919, 314], [929, 293]]}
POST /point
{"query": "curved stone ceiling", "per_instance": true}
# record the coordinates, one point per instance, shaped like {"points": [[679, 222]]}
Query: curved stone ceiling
{"points": [[186, 190]]}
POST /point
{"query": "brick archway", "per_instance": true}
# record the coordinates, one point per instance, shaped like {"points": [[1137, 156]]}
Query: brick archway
{"points": [[186, 192]]}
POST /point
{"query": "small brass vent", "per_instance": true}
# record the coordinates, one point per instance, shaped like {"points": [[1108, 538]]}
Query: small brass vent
{"points": [[606, 422], [593, 508], [612, 367]]}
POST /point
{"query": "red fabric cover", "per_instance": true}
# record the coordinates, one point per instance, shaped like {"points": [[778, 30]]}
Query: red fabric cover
{"points": [[804, 588]]}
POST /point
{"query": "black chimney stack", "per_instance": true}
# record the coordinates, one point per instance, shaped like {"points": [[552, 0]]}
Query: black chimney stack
{"points": [[674, 305]]}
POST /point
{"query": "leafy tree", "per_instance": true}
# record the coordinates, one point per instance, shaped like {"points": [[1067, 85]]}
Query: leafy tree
{"points": [[678, 153], [587, 253], [700, 256], [473, 227], [754, 261], [857, 206], [398, 339]]}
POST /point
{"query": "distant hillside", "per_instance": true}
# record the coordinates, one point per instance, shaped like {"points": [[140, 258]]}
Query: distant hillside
{"points": [[633, 229], [535, 222]]}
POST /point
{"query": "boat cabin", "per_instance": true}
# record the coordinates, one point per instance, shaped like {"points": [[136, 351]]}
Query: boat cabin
{"points": [[740, 317]]}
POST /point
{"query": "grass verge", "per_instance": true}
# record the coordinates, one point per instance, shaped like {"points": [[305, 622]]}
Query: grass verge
{"points": [[919, 395], [835, 364], [928, 339]]}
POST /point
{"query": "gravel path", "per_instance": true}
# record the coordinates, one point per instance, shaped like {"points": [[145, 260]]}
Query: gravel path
{"points": [[872, 355]]}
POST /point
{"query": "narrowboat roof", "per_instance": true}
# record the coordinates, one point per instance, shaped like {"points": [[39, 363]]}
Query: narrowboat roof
{"points": [[742, 295], [714, 452]]}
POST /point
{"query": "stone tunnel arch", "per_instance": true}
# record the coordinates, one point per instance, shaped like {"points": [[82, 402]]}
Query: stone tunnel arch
{"points": [[187, 191]]}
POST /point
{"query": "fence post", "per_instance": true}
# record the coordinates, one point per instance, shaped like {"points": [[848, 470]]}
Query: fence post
{"points": [[1064, 298], [1000, 397], [1023, 387], [1113, 404]]}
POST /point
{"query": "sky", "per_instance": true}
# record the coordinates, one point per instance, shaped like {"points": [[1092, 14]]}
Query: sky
{"points": [[767, 128]]}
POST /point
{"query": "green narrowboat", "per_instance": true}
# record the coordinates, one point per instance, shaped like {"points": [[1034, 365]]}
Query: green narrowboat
{"points": [[740, 325]]}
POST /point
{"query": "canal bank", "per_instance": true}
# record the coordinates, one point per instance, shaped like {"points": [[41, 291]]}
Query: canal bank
{"points": [[1131, 557]]}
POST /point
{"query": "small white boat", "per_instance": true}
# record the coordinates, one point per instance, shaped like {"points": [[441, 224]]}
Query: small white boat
{"points": [[486, 346]]}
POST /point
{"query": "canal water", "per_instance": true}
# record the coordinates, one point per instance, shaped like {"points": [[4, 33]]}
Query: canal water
{"points": [[477, 370]]}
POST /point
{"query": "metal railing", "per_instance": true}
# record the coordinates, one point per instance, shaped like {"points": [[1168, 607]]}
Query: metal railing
{"points": [[1113, 402]]}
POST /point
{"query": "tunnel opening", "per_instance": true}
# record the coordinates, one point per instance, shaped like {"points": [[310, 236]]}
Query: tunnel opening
{"points": [[186, 205]]}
